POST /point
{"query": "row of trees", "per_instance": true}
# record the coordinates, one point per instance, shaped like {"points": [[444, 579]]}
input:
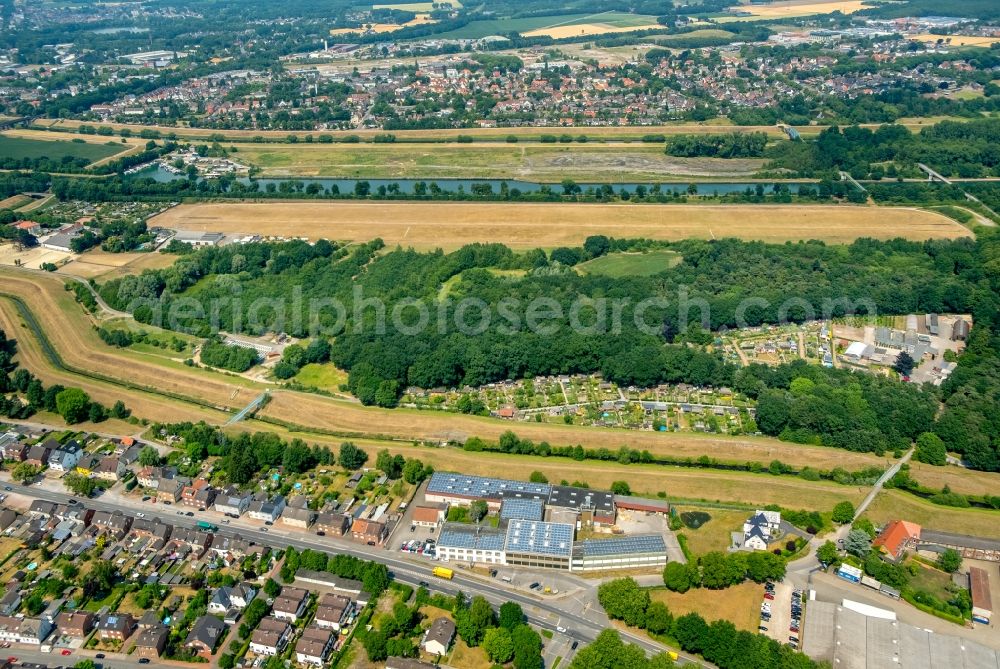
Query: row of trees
{"points": [[717, 570]]}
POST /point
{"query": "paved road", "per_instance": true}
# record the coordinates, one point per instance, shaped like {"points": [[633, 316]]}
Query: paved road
{"points": [[800, 570], [545, 613]]}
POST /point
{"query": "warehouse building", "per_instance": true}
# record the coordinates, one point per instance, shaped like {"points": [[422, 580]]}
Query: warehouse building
{"points": [[591, 506], [513, 508], [448, 488]]}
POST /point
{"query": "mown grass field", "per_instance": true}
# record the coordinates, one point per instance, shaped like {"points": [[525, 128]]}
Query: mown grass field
{"points": [[631, 264], [14, 201], [583, 162], [325, 377], [738, 604], [56, 148], [714, 534], [450, 225], [538, 24]]}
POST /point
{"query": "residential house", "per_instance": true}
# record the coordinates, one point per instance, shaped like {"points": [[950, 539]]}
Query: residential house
{"points": [[31, 631], [7, 518], [333, 523], [438, 637], [270, 637], [332, 611], [151, 642], [42, 509], [149, 477], [230, 601], [230, 548], [313, 646], [75, 624], [896, 538], [152, 528], [111, 469], [232, 502], [149, 619], [298, 517], [197, 541], [266, 509], [190, 493], [131, 454], [38, 454], [290, 604], [115, 626], [759, 528], [12, 448], [370, 532], [88, 464], [168, 490], [64, 457], [429, 515], [205, 636], [115, 523], [11, 601]]}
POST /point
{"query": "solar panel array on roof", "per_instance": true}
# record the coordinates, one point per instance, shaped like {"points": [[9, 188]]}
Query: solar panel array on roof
{"points": [[523, 509], [455, 535], [635, 545], [444, 483], [539, 538]]}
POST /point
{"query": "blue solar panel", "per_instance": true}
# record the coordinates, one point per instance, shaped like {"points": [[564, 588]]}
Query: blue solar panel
{"points": [[445, 483], [456, 535], [645, 543], [538, 538], [524, 509]]}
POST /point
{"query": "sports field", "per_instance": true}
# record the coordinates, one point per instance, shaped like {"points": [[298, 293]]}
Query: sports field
{"points": [[591, 162], [56, 148], [450, 225]]}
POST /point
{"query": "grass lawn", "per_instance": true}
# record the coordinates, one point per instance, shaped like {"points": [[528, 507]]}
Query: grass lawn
{"points": [[468, 658], [325, 376], [631, 264], [933, 581], [19, 147], [738, 604], [714, 534]]}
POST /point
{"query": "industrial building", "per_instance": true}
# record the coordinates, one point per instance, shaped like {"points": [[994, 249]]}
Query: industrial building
{"points": [[471, 543], [635, 552], [982, 603], [532, 543]]}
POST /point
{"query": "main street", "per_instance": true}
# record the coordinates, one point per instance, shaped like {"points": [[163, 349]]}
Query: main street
{"points": [[546, 613]]}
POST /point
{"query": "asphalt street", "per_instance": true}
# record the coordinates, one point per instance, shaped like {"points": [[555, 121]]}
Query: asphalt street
{"points": [[544, 613]]}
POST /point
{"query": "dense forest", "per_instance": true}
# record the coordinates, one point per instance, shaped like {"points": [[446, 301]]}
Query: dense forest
{"points": [[494, 340]]}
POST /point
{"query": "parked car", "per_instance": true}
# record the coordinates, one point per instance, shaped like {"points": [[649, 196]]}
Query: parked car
{"points": [[321, 533], [534, 586], [761, 628], [413, 528], [100, 656], [143, 660]]}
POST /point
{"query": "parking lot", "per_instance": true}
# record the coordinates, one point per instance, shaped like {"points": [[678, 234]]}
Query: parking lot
{"points": [[780, 613]]}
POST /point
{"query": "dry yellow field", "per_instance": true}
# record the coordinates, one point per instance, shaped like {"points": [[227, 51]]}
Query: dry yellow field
{"points": [[585, 29], [418, 20], [524, 226], [99, 264], [14, 201], [610, 132], [955, 40], [893, 504], [785, 10], [737, 604]]}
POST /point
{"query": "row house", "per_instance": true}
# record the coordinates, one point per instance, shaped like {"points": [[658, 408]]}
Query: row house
{"points": [[115, 626], [76, 624], [149, 477], [230, 549], [152, 641], [198, 494], [205, 636], [231, 600], [271, 636], [232, 502], [64, 457], [290, 604], [194, 540], [266, 509], [333, 610], [314, 646], [114, 523], [370, 532], [12, 448], [333, 523], [30, 631]]}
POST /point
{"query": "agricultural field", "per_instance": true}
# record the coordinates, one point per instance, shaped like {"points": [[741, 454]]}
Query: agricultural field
{"points": [[524, 226], [538, 25], [893, 504], [794, 9], [955, 40], [547, 162], [737, 604], [14, 202], [97, 264], [54, 148], [418, 20], [597, 24], [416, 6], [631, 264]]}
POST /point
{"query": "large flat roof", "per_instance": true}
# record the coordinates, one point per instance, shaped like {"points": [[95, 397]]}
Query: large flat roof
{"points": [[484, 487], [539, 538], [458, 535], [639, 544], [524, 509], [582, 498]]}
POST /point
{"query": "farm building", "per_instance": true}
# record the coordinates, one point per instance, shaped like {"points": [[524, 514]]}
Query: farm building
{"points": [[896, 537], [642, 504]]}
